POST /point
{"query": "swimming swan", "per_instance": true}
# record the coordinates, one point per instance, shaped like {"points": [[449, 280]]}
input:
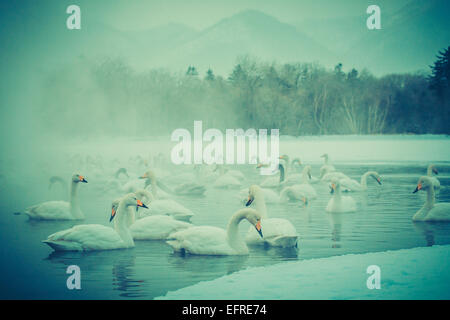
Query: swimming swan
{"points": [[339, 203], [157, 227], [353, 185], [431, 211], [166, 207], [303, 187], [207, 240], [86, 237], [277, 232], [59, 210]]}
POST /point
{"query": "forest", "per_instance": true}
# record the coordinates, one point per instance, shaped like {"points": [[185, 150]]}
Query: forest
{"points": [[109, 97]]}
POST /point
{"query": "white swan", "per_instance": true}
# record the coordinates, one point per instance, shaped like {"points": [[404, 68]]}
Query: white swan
{"points": [[275, 181], [339, 203], [304, 187], [430, 170], [277, 232], [157, 227], [207, 240], [226, 179], [327, 175], [86, 237], [270, 196], [431, 211], [59, 210], [167, 207], [327, 167], [353, 185]]}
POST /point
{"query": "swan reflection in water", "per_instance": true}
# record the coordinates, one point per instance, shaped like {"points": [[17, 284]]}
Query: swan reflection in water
{"points": [[96, 265]]}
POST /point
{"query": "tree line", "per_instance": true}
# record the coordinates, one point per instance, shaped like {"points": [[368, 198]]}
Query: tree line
{"points": [[298, 98]]}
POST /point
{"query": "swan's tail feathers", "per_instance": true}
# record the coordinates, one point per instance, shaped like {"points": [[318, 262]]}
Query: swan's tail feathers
{"points": [[284, 241], [62, 245]]}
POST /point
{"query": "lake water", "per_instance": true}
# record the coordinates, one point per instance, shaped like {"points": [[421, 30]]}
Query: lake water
{"points": [[29, 269]]}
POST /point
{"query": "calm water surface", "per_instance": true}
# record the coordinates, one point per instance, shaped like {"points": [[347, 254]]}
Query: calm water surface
{"points": [[31, 270]]}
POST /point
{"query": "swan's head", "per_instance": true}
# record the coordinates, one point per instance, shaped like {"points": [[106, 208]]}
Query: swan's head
{"points": [[423, 184], [284, 157], [334, 185], [148, 175], [376, 176], [129, 200], [296, 161], [432, 168], [77, 178], [325, 155], [114, 206], [255, 219], [253, 191]]}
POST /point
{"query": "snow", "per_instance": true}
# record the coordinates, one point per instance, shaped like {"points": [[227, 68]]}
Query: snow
{"points": [[418, 273]]}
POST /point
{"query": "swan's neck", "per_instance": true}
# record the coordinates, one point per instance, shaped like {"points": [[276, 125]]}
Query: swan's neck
{"points": [[337, 192], [430, 198], [260, 204], [75, 210], [121, 224], [364, 179], [234, 239], [282, 173], [305, 177], [326, 160], [430, 171]]}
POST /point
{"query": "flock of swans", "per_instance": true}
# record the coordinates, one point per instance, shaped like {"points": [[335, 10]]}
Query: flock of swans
{"points": [[145, 208]]}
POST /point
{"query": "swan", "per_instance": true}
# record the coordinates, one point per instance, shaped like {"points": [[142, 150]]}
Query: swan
{"points": [[277, 232], [339, 203], [270, 195], [207, 240], [59, 210], [86, 237], [226, 180], [167, 207], [327, 175], [353, 185], [327, 167], [274, 182], [157, 227], [159, 190], [304, 187], [431, 211], [432, 169]]}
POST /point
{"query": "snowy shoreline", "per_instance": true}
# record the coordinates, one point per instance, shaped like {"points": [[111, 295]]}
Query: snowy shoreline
{"points": [[417, 273]]}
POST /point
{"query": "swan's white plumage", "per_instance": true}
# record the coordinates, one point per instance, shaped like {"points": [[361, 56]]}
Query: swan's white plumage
{"points": [[156, 227], [339, 203]]}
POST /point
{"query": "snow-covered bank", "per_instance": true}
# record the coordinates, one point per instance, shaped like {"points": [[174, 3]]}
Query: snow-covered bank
{"points": [[418, 273]]}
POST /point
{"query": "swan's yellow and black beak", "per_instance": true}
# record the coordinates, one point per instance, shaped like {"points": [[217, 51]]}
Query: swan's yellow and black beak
{"points": [[144, 176], [332, 188], [82, 179], [419, 187], [435, 171], [378, 180], [305, 200], [140, 204], [249, 201], [258, 228], [113, 213], [309, 175]]}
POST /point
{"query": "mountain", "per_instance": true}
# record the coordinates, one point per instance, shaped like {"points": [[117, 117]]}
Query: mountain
{"points": [[249, 32]]}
